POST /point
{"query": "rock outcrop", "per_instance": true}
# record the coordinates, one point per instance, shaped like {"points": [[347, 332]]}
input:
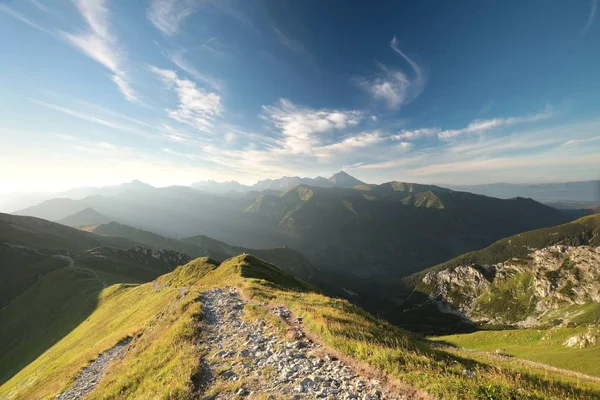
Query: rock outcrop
{"points": [[552, 285]]}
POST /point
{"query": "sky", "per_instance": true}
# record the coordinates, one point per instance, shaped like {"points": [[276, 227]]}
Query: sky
{"points": [[99, 92]]}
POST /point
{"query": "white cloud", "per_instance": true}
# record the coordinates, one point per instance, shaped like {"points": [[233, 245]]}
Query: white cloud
{"points": [[482, 125], [65, 136], [178, 59], [94, 119], [99, 44], [415, 134], [300, 125], [293, 45], [540, 152], [167, 15], [591, 16], [125, 88], [39, 5], [197, 107], [395, 87], [18, 16], [349, 144]]}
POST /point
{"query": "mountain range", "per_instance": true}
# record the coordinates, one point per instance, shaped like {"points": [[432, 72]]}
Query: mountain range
{"points": [[75, 301], [582, 193], [544, 277], [379, 231]]}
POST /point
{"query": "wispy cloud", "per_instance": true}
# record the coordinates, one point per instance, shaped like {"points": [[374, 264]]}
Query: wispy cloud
{"points": [[300, 125], [395, 87], [65, 136], [591, 16], [196, 107], [15, 14], [94, 119], [498, 157], [99, 44], [416, 134], [39, 6], [168, 15], [291, 44], [350, 143], [177, 58], [483, 125]]}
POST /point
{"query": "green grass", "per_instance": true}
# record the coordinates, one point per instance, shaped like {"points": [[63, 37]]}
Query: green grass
{"points": [[584, 231], [541, 345], [510, 299], [163, 317], [163, 356], [398, 353], [60, 301]]}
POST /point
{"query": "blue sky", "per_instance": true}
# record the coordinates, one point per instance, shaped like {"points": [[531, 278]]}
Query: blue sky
{"points": [[96, 92]]}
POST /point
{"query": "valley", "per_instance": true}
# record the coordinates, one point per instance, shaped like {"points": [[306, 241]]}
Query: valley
{"points": [[299, 200], [176, 301]]}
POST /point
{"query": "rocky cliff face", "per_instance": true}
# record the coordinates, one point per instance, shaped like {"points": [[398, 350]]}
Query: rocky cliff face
{"points": [[553, 285]]}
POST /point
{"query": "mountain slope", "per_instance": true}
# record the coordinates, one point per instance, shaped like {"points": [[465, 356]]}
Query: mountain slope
{"points": [[345, 180], [220, 187], [289, 260], [365, 233], [541, 277], [587, 192], [87, 216], [584, 231], [46, 310], [384, 231], [163, 360]]}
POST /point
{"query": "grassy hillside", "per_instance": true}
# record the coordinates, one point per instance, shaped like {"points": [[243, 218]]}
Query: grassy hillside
{"points": [[60, 300], [583, 231], [88, 216], [383, 231], [289, 260], [31, 247], [43, 234], [387, 232], [541, 345], [513, 294], [162, 317]]}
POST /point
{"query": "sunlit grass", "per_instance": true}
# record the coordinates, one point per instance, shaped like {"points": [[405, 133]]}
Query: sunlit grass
{"points": [[164, 317]]}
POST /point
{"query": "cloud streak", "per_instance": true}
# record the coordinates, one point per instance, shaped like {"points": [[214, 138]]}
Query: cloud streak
{"points": [[20, 17], [168, 15], [196, 107], [93, 119], [99, 44], [483, 125], [395, 87], [178, 59], [300, 126], [591, 16]]}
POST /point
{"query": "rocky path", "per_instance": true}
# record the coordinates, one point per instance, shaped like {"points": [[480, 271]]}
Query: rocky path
{"points": [[247, 359], [90, 376]]}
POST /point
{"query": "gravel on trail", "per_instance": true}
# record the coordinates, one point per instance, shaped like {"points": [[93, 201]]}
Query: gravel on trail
{"points": [[248, 359], [90, 376]]}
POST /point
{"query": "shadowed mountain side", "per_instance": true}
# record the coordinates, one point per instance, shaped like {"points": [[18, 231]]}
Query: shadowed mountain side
{"points": [[496, 284], [584, 192], [60, 299], [289, 260], [356, 232], [88, 216], [377, 231]]}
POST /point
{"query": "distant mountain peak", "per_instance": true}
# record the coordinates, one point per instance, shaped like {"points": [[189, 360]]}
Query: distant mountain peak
{"points": [[345, 180], [87, 216]]}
